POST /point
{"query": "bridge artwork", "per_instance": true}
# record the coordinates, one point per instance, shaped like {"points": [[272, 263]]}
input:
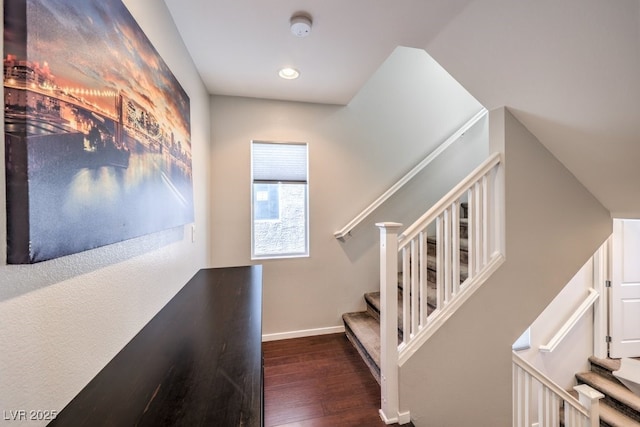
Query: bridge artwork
{"points": [[97, 130]]}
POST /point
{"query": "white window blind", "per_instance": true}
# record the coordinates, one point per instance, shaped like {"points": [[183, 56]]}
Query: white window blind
{"points": [[275, 162]]}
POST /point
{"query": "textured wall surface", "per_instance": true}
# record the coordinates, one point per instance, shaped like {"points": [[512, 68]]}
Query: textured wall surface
{"points": [[61, 321]]}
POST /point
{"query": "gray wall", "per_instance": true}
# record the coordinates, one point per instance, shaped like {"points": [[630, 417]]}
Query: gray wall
{"points": [[61, 321], [553, 225], [356, 152]]}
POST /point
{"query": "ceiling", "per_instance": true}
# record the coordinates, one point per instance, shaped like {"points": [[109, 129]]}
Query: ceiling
{"points": [[569, 70]]}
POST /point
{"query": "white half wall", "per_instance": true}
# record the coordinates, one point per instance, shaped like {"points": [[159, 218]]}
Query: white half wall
{"points": [[553, 226], [355, 153], [62, 320]]}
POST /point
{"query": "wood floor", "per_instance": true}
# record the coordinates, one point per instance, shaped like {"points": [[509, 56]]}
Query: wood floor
{"points": [[318, 381]]}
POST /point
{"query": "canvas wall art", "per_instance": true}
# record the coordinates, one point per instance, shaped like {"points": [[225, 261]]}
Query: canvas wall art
{"points": [[97, 130]]}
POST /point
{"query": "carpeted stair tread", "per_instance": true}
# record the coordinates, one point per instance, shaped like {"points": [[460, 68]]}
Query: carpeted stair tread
{"points": [[616, 395], [364, 333], [609, 417], [373, 304], [608, 364], [612, 418], [605, 367]]}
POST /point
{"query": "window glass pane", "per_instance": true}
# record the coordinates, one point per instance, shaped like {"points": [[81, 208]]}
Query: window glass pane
{"points": [[286, 234], [266, 202]]}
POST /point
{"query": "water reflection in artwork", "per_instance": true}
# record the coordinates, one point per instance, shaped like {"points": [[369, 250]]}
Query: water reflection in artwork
{"points": [[97, 130]]}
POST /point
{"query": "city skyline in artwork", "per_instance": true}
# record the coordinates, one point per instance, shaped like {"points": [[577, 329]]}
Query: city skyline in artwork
{"points": [[97, 130]]}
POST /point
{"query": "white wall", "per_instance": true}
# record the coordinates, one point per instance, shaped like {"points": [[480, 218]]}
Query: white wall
{"points": [[355, 153], [61, 321], [572, 354], [553, 226]]}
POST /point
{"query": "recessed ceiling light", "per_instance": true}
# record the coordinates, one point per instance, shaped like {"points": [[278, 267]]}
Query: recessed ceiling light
{"points": [[289, 73]]}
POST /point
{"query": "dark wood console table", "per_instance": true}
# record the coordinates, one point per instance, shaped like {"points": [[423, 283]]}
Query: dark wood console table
{"points": [[198, 362]]}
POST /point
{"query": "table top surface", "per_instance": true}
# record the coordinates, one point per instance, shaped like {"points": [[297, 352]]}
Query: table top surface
{"points": [[197, 362]]}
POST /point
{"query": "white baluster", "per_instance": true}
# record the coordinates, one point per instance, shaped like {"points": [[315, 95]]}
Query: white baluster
{"points": [[414, 287], [471, 224], [440, 261], [485, 221], [406, 284], [423, 278], [447, 255]]}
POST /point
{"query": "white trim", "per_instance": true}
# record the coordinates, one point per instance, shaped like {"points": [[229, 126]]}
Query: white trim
{"points": [[302, 333], [387, 420], [592, 297], [404, 417], [401, 418], [601, 307]]}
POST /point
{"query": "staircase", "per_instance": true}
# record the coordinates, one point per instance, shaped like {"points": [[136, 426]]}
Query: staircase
{"points": [[363, 328], [620, 407]]}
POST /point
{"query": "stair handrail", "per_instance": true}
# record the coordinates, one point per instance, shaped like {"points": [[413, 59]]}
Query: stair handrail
{"points": [[576, 411], [345, 231], [571, 322]]}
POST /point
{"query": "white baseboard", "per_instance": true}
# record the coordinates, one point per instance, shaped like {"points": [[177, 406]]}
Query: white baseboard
{"points": [[404, 417], [302, 333]]}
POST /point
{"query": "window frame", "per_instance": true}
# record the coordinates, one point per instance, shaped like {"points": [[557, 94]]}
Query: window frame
{"points": [[283, 255]]}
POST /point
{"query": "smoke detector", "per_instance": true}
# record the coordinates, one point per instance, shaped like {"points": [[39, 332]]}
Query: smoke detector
{"points": [[300, 25]]}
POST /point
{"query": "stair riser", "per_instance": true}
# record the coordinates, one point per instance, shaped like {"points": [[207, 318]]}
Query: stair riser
{"points": [[464, 210], [432, 276], [373, 312], [600, 370], [373, 367]]}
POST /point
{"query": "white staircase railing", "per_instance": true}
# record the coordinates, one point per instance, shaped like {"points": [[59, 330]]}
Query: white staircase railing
{"points": [[538, 401], [439, 269]]}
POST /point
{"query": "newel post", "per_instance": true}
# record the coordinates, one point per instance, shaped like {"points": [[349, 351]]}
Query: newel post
{"points": [[389, 321], [590, 399]]}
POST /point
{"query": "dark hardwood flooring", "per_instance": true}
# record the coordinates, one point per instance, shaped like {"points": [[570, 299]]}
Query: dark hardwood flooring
{"points": [[318, 381]]}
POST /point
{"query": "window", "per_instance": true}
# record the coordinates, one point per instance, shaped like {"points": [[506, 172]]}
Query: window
{"points": [[279, 207]]}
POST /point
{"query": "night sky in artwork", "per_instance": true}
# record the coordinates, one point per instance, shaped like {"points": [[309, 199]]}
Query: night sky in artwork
{"points": [[97, 130], [97, 44]]}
